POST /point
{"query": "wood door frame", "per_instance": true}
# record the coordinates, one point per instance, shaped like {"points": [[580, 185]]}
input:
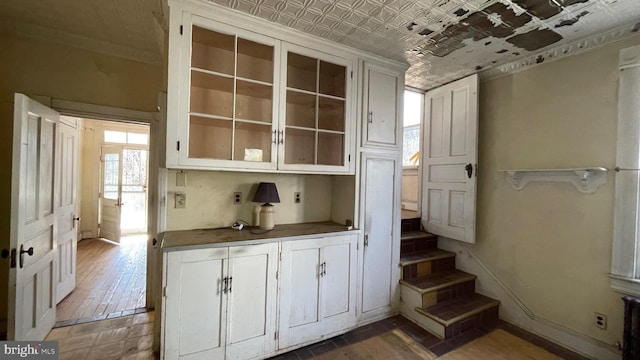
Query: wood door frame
{"points": [[156, 185]]}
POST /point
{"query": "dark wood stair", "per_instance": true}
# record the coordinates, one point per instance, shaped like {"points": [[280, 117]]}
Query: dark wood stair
{"points": [[436, 295]]}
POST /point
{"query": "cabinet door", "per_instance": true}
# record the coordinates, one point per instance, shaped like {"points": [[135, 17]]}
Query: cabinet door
{"points": [[227, 101], [251, 306], [381, 116], [194, 311], [338, 284], [315, 112], [299, 292], [380, 203]]}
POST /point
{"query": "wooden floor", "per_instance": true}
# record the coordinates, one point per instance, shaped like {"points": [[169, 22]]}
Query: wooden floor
{"points": [[111, 278]]}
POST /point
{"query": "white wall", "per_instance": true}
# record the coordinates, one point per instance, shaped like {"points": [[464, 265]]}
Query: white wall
{"points": [[210, 198], [550, 244]]}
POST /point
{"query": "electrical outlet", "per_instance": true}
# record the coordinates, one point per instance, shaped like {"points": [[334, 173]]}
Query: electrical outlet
{"points": [[181, 200], [237, 198], [296, 197], [600, 321]]}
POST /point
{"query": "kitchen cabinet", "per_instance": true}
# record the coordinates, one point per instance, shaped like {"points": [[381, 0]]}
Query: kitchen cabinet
{"points": [[220, 302], [238, 99], [317, 288], [382, 101]]}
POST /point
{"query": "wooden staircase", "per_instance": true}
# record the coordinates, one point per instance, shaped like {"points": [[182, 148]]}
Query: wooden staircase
{"points": [[434, 294]]}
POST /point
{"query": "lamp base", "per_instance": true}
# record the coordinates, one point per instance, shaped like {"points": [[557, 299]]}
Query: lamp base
{"points": [[267, 217]]}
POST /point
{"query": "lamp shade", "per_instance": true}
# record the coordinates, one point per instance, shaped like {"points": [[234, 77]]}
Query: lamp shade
{"points": [[266, 193]]}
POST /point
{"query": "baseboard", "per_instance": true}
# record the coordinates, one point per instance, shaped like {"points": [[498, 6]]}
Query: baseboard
{"points": [[515, 311], [376, 315]]}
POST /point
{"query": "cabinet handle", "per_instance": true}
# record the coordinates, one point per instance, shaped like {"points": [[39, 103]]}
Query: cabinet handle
{"points": [[370, 117], [225, 281], [281, 136], [324, 268], [320, 270], [366, 239], [275, 137], [230, 282]]}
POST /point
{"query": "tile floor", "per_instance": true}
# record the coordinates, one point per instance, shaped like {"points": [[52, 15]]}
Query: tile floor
{"points": [[131, 337], [127, 337]]}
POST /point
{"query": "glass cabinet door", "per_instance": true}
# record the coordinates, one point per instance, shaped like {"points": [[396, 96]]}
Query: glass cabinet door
{"points": [[231, 98], [315, 111]]}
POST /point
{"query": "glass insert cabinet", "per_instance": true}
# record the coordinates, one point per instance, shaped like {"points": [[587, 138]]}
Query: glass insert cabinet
{"points": [[248, 101]]}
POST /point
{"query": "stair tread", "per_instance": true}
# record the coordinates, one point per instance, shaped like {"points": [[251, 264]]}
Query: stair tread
{"points": [[449, 312], [416, 235], [438, 280], [424, 255]]}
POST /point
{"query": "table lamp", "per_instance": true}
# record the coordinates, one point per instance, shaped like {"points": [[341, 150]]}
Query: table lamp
{"points": [[266, 193]]}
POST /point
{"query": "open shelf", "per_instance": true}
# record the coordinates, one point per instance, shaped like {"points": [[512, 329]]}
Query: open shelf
{"points": [[299, 146], [255, 61], [210, 138], [212, 51], [252, 142], [211, 94], [254, 101], [332, 79], [586, 180]]}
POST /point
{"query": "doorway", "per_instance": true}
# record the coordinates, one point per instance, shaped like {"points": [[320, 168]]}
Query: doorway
{"points": [[113, 206]]}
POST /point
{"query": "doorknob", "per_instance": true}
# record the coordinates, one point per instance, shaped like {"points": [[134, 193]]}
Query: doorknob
{"points": [[75, 218], [22, 252], [469, 169]]}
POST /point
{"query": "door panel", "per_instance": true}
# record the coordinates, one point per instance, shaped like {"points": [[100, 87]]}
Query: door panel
{"points": [[381, 124], [32, 288], [379, 208], [251, 308], [335, 285], [67, 174], [450, 147], [111, 194]]}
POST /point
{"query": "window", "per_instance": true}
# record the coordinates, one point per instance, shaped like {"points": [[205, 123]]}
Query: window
{"points": [[413, 105], [625, 258], [125, 137]]}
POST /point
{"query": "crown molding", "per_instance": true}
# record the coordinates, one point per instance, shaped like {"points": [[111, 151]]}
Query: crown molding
{"points": [[562, 51]]}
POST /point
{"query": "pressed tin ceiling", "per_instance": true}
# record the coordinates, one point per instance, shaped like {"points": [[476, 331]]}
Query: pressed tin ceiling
{"points": [[442, 40]]}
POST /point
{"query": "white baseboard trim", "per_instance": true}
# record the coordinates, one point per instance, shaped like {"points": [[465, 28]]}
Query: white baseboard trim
{"points": [[513, 310]]}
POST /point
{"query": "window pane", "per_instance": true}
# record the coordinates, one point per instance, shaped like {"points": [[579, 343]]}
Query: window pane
{"points": [[115, 137], [110, 180], [412, 107], [134, 167], [411, 145], [135, 138]]}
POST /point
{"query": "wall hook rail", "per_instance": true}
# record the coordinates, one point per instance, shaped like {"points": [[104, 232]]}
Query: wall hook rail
{"points": [[586, 180]]}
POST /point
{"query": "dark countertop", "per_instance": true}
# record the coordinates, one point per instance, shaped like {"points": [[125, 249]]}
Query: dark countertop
{"points": [[219, 237]]}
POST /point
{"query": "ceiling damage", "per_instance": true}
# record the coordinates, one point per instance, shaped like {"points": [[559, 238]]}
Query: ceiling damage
{"points": [[441, 40]]}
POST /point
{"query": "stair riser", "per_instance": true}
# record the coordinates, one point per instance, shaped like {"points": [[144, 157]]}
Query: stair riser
{"points": [[417, 244], [409, 225], [410, 300], [449, 293], [428, 267], [487, 319]]}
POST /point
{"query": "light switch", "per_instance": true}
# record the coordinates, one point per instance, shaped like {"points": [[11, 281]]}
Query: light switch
{"points": [[181, 200]]}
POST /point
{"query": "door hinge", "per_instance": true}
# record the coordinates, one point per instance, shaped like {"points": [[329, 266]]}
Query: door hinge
{"points": [[13, 258], [180, 29], [280, 256], [275, 335], [178, 145], [164, 291], [349, 157], [352, 74], [276, 275]]}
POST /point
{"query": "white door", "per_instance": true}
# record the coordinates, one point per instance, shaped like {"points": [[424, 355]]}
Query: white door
{"points": [[66, 209], [381, 123], [251, 303], [32, 285], [379, 277], [194, 308], [111, 192], [337, 288], [449, 158]]}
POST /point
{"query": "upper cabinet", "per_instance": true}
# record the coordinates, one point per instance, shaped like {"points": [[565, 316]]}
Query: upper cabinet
{"points": [[382, 107], [241, 100]]}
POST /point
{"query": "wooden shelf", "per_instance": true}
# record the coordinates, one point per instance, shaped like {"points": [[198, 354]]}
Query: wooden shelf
{"points": [[586, 180]]}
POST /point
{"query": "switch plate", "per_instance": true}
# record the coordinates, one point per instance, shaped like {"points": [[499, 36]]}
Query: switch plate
{"points": [[237, 198], [181, 178], [601, 321], [181, 200], [296, 197]]}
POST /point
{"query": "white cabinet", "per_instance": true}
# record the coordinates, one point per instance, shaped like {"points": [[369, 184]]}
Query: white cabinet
{"points": [[220, 303], [238, 99], [317, 289], [381, 115], [381, 219]]}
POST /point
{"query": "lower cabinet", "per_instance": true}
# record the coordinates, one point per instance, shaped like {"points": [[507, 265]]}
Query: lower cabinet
{"points": [[317, 288], [220, 303]]}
